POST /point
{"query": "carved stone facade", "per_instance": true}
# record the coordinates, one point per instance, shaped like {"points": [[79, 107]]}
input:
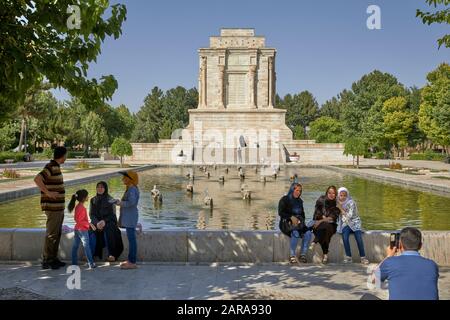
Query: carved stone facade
{"points": [[237, 88], [237, 71]]}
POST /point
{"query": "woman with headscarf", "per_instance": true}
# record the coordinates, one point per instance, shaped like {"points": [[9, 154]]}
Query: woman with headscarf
{"points": [[103, 215], [292, 221], [129, 215], [350, 222], [325, 220]]}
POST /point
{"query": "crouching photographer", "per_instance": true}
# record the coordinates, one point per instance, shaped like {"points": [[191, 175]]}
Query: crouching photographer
{"points": [[410, 276]]}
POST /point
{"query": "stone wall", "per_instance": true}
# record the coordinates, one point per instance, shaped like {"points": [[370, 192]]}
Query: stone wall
{"points": [[195, 246]]}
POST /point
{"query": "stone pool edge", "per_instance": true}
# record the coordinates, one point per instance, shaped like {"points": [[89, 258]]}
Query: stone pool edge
{"points": [[209, 246]]}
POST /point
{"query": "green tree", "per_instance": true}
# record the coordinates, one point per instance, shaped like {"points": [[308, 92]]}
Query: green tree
{"points": [[39, 41], [94, 133], [417, 137], [331, 108], [398, 122], [440, 16], [127, 121], [36, 105], [8, 131], [362, 114], [434, 113], [121, 147], [301, 109], [149, 118], [176, 103], [355, 146], [326, 130]]}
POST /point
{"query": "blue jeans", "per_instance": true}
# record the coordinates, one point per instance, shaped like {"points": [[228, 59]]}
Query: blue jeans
{"points": [[346, 231], [83, 237], [132, 251], [92, 242], [295, 236]]}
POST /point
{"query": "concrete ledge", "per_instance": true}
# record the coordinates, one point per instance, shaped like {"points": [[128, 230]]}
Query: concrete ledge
{"points": [[27, 244], [230, 246], [6, 241], [161, 245], [199, 246]]}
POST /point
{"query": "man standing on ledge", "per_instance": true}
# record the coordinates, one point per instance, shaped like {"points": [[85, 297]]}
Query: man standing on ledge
{"points": [[50, 182]]}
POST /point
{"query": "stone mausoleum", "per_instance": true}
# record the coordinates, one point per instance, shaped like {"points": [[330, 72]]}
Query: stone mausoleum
{"points": [[236, 120]]}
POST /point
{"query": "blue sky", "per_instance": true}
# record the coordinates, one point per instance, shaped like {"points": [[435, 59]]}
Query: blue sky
{"points": [[322, 46]]}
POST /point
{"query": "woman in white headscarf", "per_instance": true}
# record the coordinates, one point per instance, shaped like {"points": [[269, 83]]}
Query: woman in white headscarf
{"points": [[349, 222]]}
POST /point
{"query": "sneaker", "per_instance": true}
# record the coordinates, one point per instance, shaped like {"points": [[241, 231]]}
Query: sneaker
{"points": [[128, 265], [347, 259], [111, 259], [50, 265], [303, 259], [59, 263], [325, 259], [364, 260], [292, 260], [92, 266]]}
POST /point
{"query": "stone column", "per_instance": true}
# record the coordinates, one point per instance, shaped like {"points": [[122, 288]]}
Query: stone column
{"points": [[202, 82], [270, 82], [221, 86], [251, 85], [200, 102]]}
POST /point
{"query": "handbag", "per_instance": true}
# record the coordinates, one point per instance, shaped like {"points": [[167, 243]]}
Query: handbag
{"points": [[287, 227]]}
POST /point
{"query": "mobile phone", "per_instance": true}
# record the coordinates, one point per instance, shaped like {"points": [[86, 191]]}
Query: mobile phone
{"points": [[394, 240]]}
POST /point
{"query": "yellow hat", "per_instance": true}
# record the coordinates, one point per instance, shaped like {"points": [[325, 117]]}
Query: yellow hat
{"points": [[132, 175]]}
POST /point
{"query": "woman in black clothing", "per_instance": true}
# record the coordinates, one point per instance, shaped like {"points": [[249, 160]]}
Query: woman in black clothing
{"points": [[102, 212], [325, 220]]}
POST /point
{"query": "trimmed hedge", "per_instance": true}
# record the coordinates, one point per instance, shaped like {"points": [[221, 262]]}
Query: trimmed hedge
{"points": [[16, 156], [427, 155], [74, 154]]}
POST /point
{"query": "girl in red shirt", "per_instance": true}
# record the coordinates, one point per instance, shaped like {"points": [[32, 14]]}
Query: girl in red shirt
{"points": [[81, 227]]}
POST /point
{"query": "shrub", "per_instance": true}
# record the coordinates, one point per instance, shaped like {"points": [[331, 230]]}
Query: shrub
{"points": [[74, 154], [16, 156], [82, 165], [427, 155], [379, 155], [395, 166], [10, 173]]}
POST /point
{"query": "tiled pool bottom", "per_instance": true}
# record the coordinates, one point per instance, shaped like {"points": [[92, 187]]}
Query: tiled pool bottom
{"points": [[381, 206]]}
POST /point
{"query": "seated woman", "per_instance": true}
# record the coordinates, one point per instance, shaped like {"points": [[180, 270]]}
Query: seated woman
{"points": [[325, 219], [350, 222], [292, 221], [102, 212]]}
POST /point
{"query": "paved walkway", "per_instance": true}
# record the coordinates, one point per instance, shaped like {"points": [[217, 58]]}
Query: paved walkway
{"points": [[426, 181], [435, 165], [19, 188], [184, 282]]}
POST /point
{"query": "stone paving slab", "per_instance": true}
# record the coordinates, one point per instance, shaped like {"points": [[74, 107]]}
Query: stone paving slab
{"points": [[418, 182], [192, 282]]}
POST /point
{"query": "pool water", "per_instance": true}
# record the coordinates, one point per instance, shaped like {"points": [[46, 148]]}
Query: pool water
{"points": [[381, 206]]}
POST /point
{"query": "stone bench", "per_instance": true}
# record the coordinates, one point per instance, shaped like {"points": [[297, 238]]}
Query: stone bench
{"points": [[203, 246]]}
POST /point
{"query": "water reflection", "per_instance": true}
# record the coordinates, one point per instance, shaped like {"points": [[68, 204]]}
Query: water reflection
{"points": [[381, 206]]}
